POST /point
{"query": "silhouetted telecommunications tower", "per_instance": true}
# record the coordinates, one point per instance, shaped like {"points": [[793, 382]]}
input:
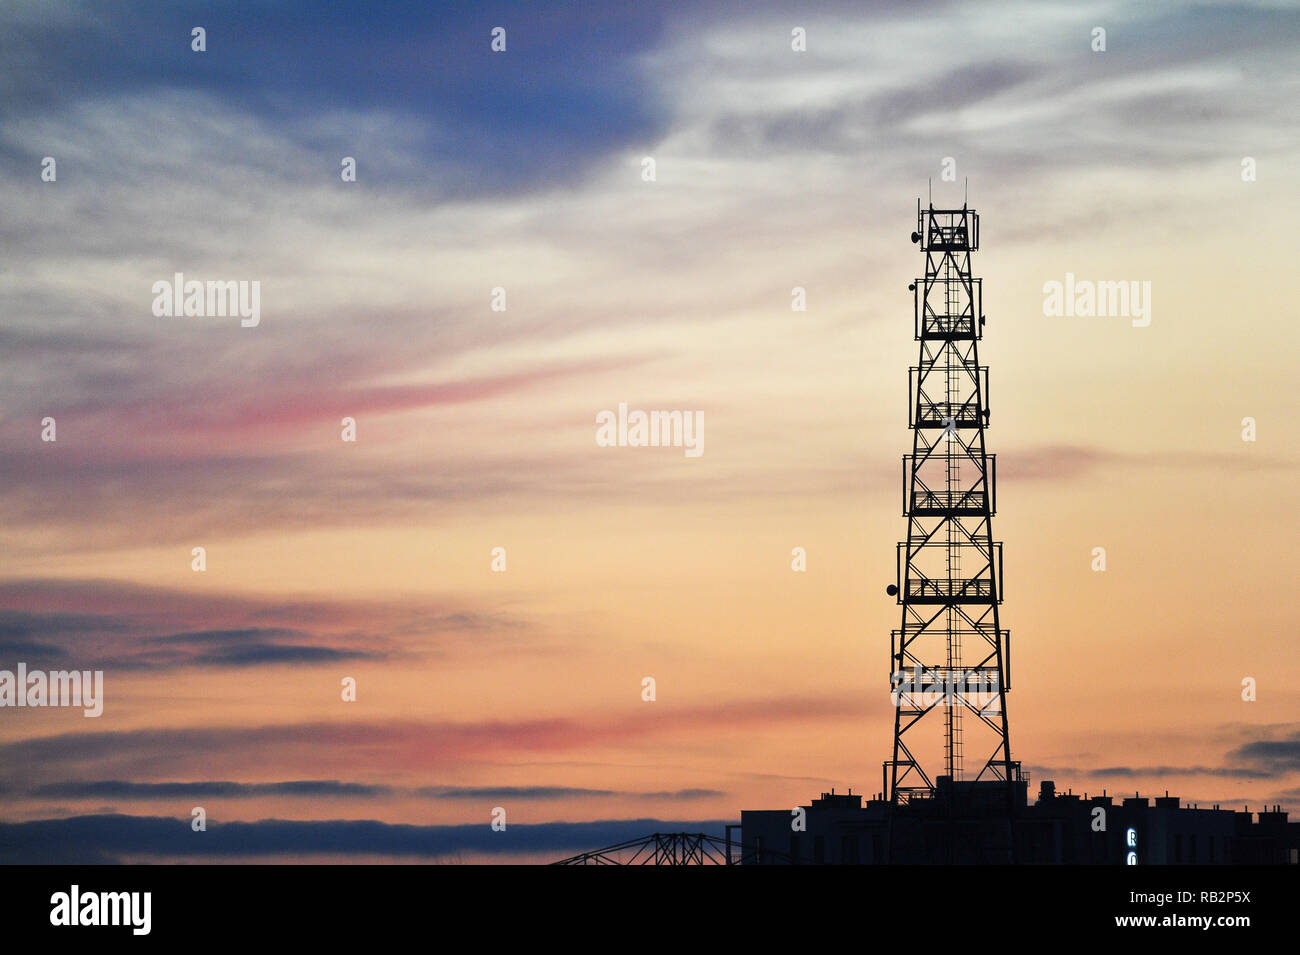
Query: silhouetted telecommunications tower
{"points": [[950, 660]]}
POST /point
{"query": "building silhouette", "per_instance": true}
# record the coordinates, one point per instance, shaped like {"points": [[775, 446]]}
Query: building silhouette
{"points": [[964, 823]]}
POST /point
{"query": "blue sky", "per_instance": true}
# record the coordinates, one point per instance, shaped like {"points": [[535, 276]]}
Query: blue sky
{"points": [[566, 96]]}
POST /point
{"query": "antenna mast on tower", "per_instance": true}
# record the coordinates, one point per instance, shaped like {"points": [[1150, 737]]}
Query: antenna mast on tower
{"points": [[951, 655]]}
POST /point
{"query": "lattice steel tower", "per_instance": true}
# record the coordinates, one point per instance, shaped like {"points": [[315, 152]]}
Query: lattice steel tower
{"points": [[951, 655]]}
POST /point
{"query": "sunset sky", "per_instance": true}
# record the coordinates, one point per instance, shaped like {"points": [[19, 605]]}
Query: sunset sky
{"points": [[475, 428]]}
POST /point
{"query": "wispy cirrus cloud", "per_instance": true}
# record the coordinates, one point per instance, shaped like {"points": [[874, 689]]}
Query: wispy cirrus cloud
{"points": [[390, 745], [1266, 752], [1275, 756], [335, 789], [538, 116], [73, 646], [1156, 772], [124, 627], [97, 839], [218, 789]]}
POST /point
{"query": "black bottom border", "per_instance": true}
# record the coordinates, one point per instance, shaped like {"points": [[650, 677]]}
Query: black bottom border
{"points": [[916, 903]]}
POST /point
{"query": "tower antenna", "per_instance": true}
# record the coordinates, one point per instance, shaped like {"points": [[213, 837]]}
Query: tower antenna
{"points": [[950, 655]]}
